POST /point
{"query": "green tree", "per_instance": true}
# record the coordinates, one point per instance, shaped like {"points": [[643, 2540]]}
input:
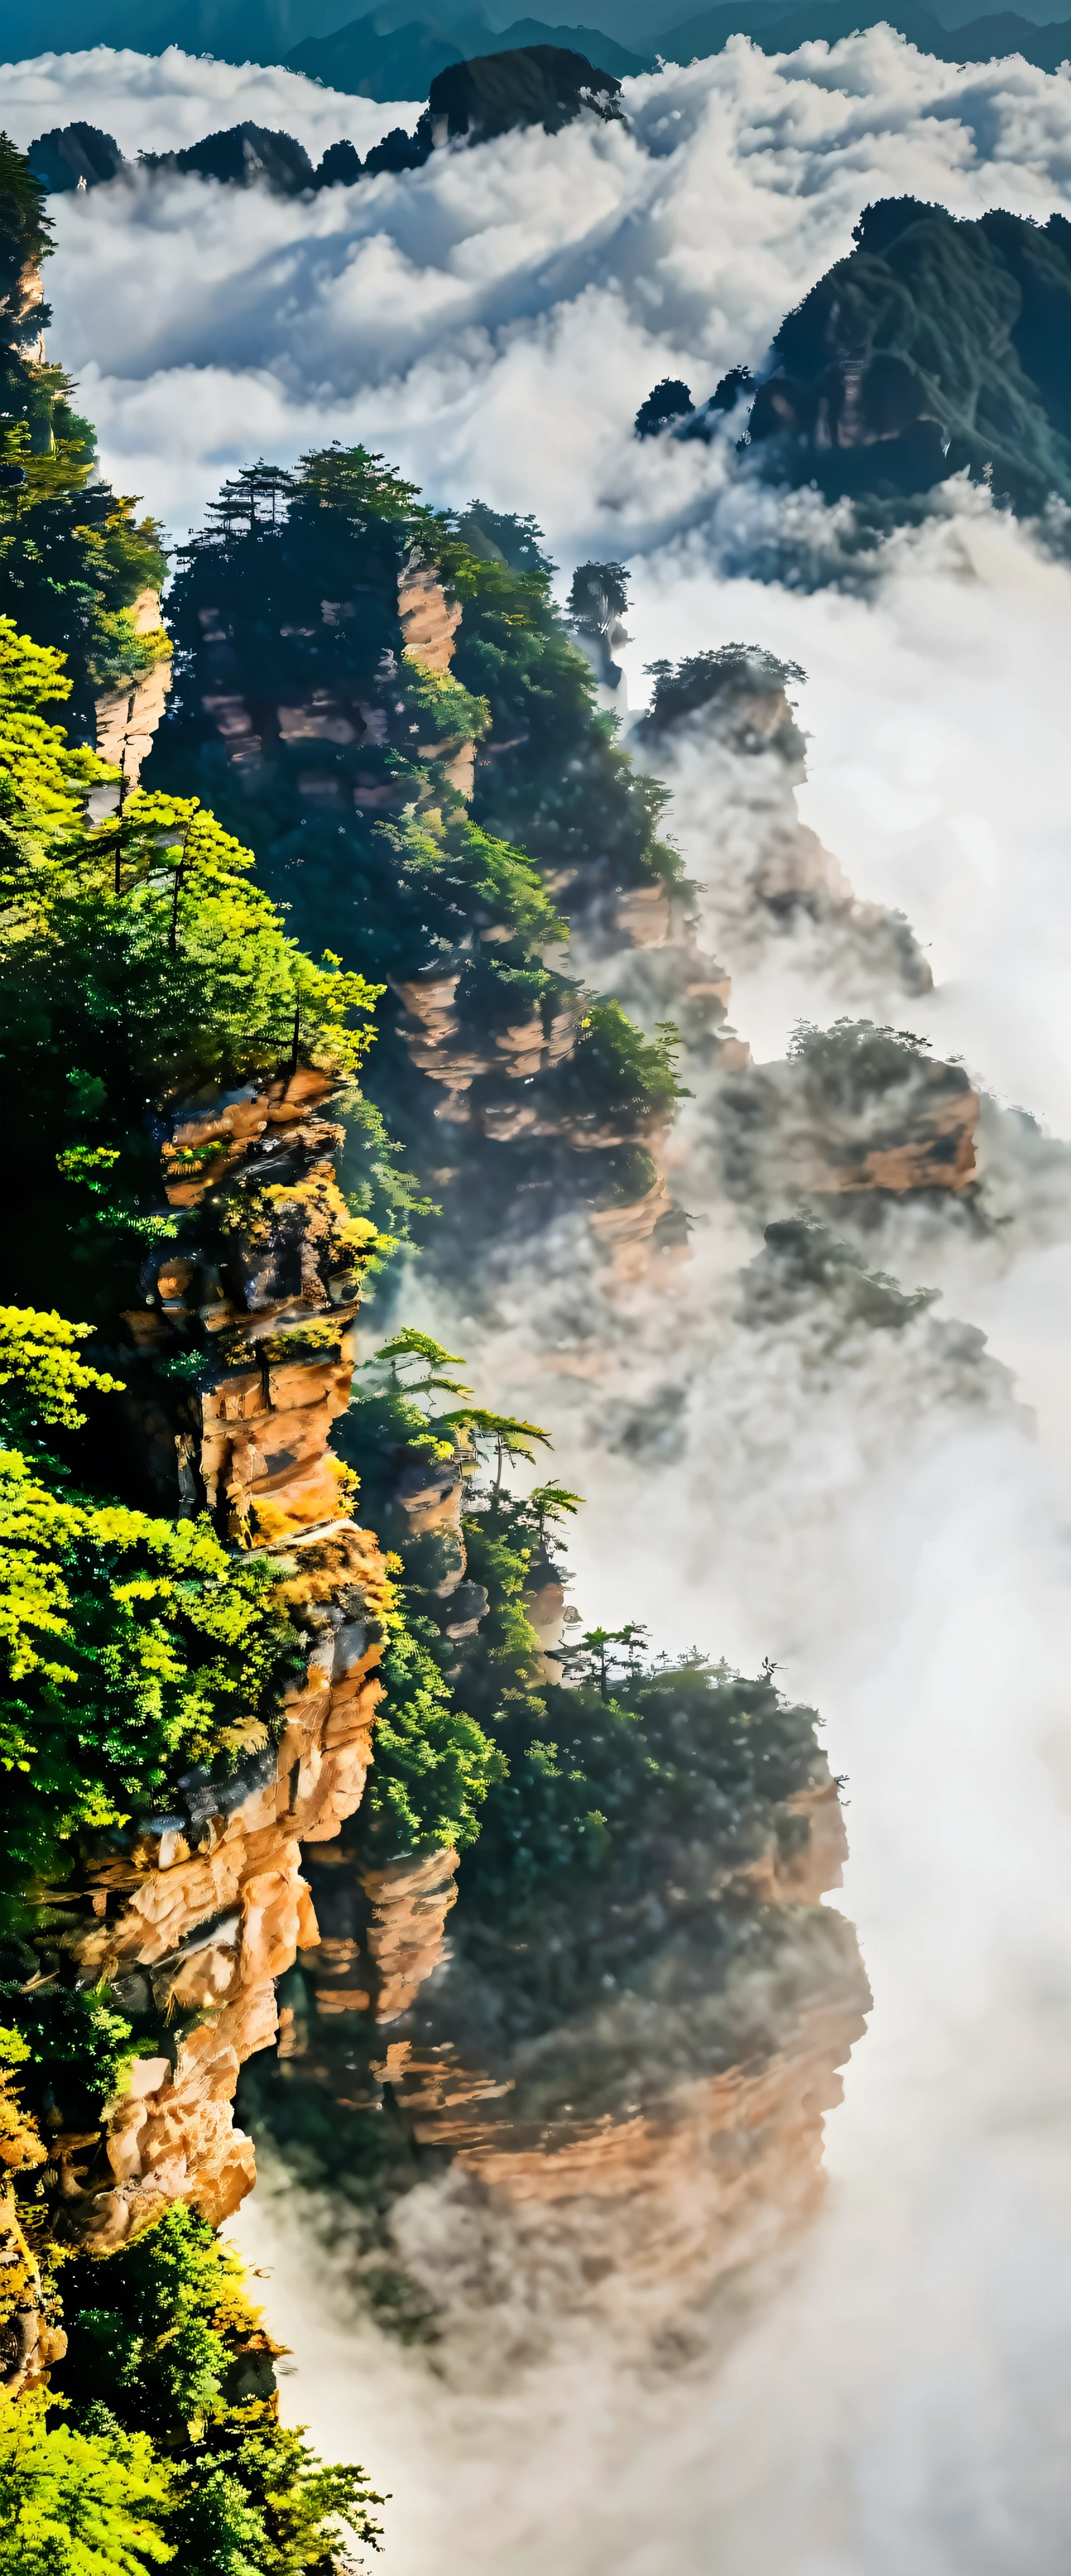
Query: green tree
{"points": [[348, 791], [138, 962], [73, 557], [78, 2504], [128, 1643], [165, 2338]]}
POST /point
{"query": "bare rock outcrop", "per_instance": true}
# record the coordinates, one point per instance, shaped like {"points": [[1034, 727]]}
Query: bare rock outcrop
{"points": [[564, 2143], [127, 718], [194, 1916], [722, 734]]}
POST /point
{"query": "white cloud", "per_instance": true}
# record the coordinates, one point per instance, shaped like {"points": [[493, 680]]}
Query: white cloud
{"points": [[161, 102], [494, 320]]}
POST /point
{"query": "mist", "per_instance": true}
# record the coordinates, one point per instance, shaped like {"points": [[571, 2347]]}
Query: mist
{"points": [[888, 2394], [882, 1514]]}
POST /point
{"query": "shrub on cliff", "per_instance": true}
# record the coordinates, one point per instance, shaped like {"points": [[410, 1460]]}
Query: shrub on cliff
{"points": [[552, 778], [164, 2341], [610, 1780], [73, 557], [436, 1757], [129, 1645], [77, 2503], [169, 2447], [137, 962]]}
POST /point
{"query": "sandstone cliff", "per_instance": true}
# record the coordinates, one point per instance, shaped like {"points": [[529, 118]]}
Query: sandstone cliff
{"points": [[127, 718], [541, 2138], [193, 1917]]}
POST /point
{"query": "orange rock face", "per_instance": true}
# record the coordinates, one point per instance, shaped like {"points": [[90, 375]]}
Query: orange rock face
{"points": [[215, 1925], [127, 718], [429, 622], [409, 1900], [635, 2219], [564, 2142], [209, 1907]]}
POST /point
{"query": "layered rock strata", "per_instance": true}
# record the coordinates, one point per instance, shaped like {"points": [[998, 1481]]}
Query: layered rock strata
{"points": [[198, 1912], [611, 2146]]}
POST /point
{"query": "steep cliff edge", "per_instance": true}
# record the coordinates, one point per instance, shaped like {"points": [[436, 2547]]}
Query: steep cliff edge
{"points": [[609, 2094], [191, 1923], [413, 752]]}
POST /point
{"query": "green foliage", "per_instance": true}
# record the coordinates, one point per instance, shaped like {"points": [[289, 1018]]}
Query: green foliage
{"points": [[25, 229], [73, 558], [42, 782], [433, 1763], [706, 679], [129, 1644], [292, 600], [957, 336], [137, 963], [591, 1657], [79, 2045], [436, 1752], [77, 2504], [556, 785], [163, 2336], [616, 1071], [41, 1374], [800, 1256], [598, 596], [73, 561], [855, 1061], [689, 1751]]}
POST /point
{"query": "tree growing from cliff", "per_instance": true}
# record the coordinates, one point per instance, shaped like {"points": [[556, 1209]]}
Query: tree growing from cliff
{"points": [[350, 799], [129, 1644], [165, 2343], [137, 961], [78, 2504], [73, 556]]}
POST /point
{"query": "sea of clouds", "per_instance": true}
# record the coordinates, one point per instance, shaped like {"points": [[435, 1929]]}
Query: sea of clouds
{"points": [[494, 320], [492, 323]]}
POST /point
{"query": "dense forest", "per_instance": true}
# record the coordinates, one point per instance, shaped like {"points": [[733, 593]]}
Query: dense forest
{"points": [[443, 821]]}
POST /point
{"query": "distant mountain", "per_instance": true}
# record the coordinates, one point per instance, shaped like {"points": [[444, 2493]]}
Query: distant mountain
{"points": [[545, 85], [240, 156], [777, 31], [403, 62], [74, 156], [393, 49], [938, 345]]}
